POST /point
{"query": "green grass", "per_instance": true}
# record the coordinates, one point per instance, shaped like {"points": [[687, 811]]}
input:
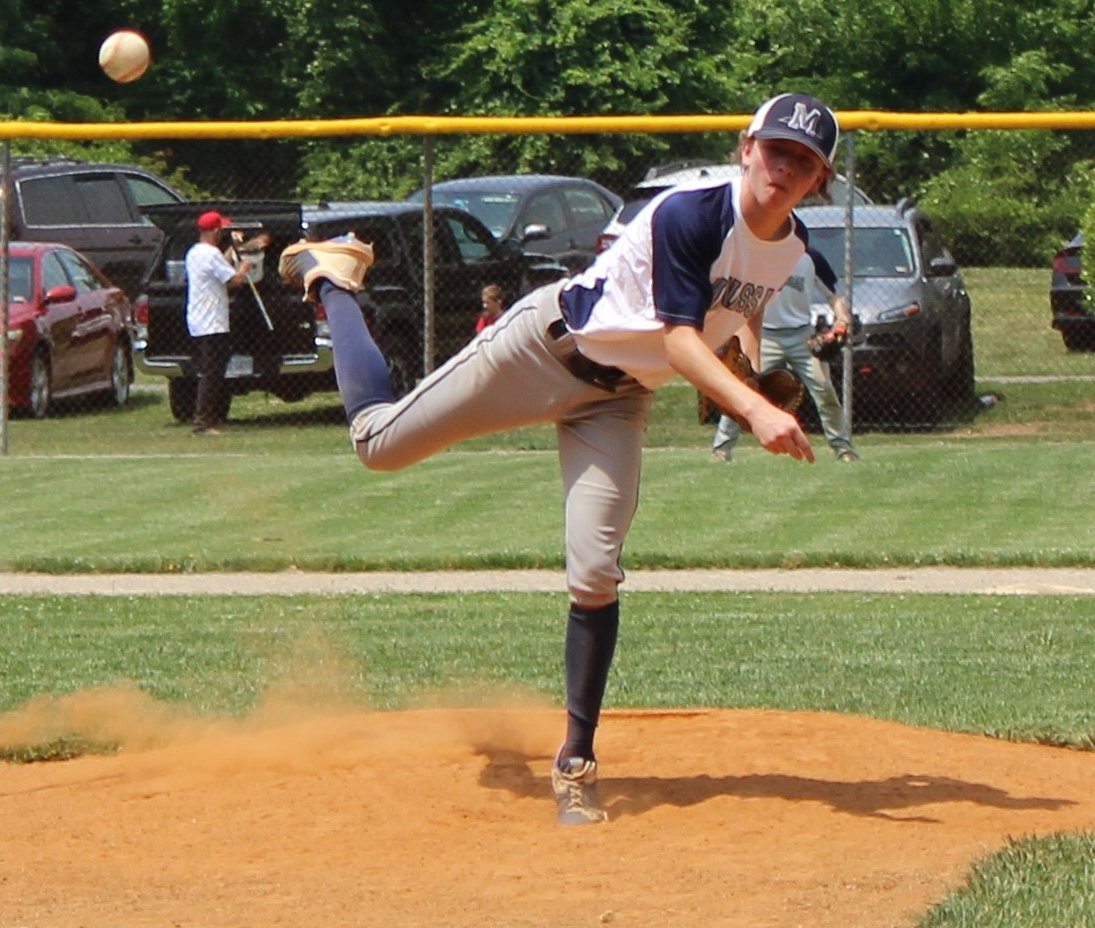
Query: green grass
{"points": [[1043, 883], [1012, 667], [946, 500]]}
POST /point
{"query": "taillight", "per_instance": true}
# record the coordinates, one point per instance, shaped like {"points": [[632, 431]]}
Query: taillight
{"points": [[321, 313], [604, 240], [140, 310], [1067, 263]]}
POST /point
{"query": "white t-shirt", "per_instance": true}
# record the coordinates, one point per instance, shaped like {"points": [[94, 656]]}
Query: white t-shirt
{"points": [[207, 275], [812, 281], [684, 260]]}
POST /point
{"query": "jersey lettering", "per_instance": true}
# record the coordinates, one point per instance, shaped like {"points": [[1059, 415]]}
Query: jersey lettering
{"points": [[739, 296]]}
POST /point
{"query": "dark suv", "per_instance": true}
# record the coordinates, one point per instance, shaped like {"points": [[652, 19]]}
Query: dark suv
{"points": [[553, 214], [91, 207], [467, 257]]}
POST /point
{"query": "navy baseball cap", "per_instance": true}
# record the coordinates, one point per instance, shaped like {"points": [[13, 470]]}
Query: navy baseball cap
{"points": [[800, 118]]}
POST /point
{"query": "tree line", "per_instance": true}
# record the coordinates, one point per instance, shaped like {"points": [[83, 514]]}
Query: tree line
{"points": [[1014, 194]]}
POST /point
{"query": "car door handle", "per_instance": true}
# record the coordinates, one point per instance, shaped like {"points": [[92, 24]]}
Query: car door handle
{"points": [[135, 240]]}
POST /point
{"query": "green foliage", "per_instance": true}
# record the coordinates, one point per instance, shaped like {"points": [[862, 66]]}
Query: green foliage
{"points": [[365, 169], [998, 196], [576, 58], [1010, 197]]}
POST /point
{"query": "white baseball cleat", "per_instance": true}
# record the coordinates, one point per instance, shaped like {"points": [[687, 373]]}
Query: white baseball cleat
{"points": [[574, 783]]}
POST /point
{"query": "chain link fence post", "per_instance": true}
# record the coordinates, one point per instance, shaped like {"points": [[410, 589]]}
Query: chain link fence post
{"points": [[5, 258], [427, 255], [849, 239]]}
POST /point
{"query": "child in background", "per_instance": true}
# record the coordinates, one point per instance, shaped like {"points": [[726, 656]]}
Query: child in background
{"points": [[492, 307]]}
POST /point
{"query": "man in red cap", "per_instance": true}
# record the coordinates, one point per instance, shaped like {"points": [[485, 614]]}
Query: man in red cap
{"points": [[209, 274]]}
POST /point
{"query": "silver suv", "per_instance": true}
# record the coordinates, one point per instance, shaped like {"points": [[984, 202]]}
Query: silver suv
{"points": [[916, 349]]}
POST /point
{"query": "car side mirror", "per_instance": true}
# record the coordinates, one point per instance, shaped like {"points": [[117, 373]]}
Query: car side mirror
{"points": [[943, 266], [535, 232], [64, 293]]}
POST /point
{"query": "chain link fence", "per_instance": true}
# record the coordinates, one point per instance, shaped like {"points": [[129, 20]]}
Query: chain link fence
{"points": [[91, 327]]}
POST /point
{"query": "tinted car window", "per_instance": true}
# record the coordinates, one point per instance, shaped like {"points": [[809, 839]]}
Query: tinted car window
{"points": [[103, 198], [51, 201], [585, 206], [469, 240], [930, 243], [81, 275], [53, 275], [544, 209], [20, 280], [495, 210], [445, 249], [146, 192], [885, 252]]}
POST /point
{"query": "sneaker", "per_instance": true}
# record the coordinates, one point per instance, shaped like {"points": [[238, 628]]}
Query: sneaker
{"points": [[847, 455], [574, 782], [343, 261]]}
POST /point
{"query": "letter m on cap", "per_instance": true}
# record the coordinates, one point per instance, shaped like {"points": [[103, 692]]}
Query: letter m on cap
{"points": [[803, 120]]}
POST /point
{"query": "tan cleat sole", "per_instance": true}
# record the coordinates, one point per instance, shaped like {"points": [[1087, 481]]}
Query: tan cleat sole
{"points": [[342, 261]]}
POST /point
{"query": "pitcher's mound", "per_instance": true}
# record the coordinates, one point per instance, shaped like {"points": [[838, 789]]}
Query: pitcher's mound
{"points": [[441, 818]]}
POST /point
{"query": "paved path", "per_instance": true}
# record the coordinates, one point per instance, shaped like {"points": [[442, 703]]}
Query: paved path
{"points": [[1015, 581]]}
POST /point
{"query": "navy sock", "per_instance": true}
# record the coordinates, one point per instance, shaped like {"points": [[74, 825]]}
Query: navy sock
{"points": [[590, 645], [360, 368]]}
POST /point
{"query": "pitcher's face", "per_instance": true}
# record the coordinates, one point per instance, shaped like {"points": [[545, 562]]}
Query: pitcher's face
{"points": [[781, 173]]}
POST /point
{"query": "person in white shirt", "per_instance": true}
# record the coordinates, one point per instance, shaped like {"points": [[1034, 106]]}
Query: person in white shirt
{"points": [[787, 326], [209, 274]]}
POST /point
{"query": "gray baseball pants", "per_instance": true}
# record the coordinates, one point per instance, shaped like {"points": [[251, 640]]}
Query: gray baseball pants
{"points": [[515, 374]]}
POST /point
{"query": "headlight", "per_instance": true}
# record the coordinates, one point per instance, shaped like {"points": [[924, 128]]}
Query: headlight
{"points": [[898, 312]]}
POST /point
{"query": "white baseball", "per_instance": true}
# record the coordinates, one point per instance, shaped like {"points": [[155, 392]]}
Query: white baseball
{"points": [[124, 55]]}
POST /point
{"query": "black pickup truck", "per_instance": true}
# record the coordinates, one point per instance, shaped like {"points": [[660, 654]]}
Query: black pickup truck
{"points": [[282, 344], [278, 344]]}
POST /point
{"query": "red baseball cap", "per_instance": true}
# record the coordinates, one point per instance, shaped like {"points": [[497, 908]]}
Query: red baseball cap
{"points": [[213, 220]]}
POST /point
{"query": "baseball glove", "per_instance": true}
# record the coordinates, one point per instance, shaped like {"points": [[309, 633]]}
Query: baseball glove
{"points": [[780, 387], [827, 343]]}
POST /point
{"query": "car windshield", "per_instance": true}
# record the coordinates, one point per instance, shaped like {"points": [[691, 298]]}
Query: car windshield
{"points": [[494, 210], [884, 252], [20, 276]]}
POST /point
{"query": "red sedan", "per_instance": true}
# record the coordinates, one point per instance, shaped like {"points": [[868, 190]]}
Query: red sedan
{"points": [[69, 330]]}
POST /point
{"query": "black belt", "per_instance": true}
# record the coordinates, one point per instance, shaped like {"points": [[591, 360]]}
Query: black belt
{"points": [[599, 375]]}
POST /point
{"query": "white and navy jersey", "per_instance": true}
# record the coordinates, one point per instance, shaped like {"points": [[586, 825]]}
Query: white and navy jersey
{"points": [[684, 260], [812, 277]]}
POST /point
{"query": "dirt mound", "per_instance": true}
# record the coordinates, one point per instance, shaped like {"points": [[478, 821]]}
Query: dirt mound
{"points": [[442, 818]]}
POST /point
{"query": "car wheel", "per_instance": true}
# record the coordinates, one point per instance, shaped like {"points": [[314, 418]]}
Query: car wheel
{"points": [[182, 394], [119, 375], [928, 397], [1078, 338], [41, 388], [963, 386]]}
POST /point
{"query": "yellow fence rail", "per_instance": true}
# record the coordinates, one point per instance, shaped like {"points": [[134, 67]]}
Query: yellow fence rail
{"points": [[384, 126]]}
